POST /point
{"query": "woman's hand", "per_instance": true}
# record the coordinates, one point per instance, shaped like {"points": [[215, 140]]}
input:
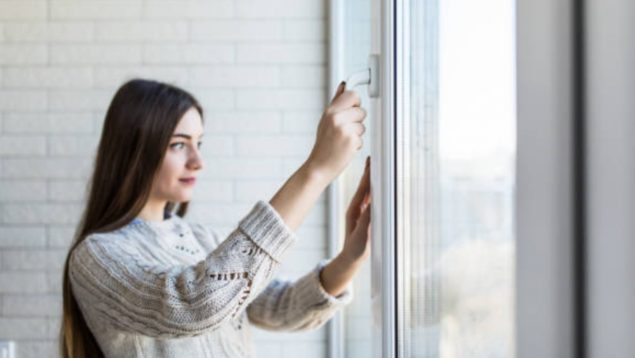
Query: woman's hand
{"points": [[342, 269], [338, 138], [339, 134], [356, 245]]}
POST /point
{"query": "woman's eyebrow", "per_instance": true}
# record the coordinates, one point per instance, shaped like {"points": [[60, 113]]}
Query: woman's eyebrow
{"points": [[184, 135]]}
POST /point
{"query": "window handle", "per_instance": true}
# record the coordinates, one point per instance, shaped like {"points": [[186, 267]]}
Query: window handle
{"points": [[368, 76]]}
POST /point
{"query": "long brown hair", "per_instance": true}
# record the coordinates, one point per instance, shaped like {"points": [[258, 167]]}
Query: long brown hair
{"points": [[139, 123]]}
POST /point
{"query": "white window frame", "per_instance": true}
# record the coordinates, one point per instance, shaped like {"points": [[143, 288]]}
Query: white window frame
{"points": [[335, 73]]}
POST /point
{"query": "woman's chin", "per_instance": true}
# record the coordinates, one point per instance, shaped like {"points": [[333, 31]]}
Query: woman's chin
{"points": [[183, 196]]}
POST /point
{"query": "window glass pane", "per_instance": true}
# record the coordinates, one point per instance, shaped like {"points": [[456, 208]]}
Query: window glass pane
{"points": [[458, 164]]}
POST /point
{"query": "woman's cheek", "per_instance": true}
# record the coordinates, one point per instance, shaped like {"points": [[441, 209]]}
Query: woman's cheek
{"points": [[174, 163]]}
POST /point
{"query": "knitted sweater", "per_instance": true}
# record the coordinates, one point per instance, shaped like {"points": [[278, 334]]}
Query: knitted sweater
{"points": [[177, 289]]}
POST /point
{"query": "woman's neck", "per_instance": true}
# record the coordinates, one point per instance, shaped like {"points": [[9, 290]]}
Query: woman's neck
{"points": [[153, 211]]}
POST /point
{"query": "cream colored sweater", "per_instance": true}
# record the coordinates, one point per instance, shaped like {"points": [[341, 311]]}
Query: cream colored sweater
{"points": [[177, 289]]}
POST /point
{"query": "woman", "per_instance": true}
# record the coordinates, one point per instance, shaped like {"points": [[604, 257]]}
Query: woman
{"points": [[139, 280]]}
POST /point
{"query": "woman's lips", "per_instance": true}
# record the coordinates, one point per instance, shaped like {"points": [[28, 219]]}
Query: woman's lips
{"points": [[188, 181]]}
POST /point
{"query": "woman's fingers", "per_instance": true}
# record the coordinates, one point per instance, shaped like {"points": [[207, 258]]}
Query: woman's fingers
{"points": [[355, 114], [364, 184], [364, 219], [360, 198], [345, 100], [357, 128], [351, 115], [350, 121], [367, 198]]}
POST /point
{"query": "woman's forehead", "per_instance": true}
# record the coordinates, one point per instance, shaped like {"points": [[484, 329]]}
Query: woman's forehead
{"points": [[190, 124]]}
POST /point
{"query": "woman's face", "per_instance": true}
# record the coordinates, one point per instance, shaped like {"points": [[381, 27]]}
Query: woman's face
{"points": [[177, 176]]}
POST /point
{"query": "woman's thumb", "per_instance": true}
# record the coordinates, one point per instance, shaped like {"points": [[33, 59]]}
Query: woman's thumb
{"points": [[340, 89]]}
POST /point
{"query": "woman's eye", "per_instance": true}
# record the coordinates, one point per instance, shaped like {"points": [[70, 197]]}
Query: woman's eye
{"points": [[181, 144]]}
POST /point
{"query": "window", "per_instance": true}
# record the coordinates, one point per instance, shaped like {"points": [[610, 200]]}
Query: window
{"points": [[457, 157], [454, 176]]}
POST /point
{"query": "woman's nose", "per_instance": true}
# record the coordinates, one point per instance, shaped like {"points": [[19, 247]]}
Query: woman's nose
{"points": [[195, 161]]}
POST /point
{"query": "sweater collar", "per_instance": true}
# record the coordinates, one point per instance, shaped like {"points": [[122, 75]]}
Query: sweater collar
{"points": [[168, 223]]}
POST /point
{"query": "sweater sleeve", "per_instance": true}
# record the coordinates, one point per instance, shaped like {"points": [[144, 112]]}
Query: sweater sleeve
{"points": [[122, 288], [299, 305]]}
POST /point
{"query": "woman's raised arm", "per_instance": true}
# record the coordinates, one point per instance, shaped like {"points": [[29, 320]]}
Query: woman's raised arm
{"points": [[338, 138]]}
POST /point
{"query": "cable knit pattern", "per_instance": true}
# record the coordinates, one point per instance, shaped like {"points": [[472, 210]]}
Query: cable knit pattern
{"points": [[176, 289]]}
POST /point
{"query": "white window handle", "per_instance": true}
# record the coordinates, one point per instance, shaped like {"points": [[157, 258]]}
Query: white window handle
{"points": [[368, 76]]}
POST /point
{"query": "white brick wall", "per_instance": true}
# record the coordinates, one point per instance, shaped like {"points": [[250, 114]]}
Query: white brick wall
{"points": [[259, 69]]}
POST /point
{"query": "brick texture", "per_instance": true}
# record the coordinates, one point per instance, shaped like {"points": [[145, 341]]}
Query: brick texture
{"points": [[259, 69]]}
